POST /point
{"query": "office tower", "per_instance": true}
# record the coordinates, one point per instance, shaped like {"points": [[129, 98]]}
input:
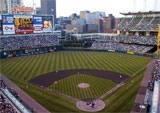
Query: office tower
{"points": [[7, 5], [49, 7]]}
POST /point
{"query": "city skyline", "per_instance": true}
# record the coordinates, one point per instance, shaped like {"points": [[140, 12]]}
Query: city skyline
{"points": [[68, 7]]}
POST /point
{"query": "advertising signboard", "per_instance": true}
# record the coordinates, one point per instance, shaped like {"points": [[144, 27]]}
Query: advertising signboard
{"points": [[8, 29], [8, 24], [7, 20], [47, 24], [37, 24], [23, 24], [37, 20], [22, 9]]}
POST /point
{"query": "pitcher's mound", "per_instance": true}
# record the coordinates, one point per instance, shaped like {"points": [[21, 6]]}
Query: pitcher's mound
{"points": [[83, 85], [88, 107]]}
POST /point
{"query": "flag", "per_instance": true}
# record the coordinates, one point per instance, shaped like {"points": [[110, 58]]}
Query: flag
{"points": [[101, 18]]}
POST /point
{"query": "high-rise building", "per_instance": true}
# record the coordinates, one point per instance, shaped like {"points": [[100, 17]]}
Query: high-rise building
{"points": [[83, 14], [49, 7], [91, 17], [109, 22], [2, 6], [7, 5]]}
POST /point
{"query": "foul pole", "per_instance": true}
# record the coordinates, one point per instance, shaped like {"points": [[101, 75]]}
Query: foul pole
{"points": [[158, 42]]}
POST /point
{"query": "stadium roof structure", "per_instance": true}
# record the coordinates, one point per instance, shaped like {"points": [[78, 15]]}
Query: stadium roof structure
{"points": [[141, 13]]}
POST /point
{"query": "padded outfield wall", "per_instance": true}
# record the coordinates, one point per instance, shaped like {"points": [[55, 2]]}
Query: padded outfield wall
{"points": [[43, 50]]}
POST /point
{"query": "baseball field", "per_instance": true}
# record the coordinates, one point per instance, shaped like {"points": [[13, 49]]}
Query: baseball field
{"points": [[64, 71]]}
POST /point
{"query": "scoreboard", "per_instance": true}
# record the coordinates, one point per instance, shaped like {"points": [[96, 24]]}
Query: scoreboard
{"points": [[23, 25]]}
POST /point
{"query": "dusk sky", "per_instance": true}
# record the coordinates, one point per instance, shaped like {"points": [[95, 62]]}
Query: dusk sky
{"points": [[68, 7]]}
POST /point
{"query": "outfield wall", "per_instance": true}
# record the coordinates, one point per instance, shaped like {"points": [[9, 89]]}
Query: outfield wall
{"points": [[30, 51], [43, 50], [112, 51]]}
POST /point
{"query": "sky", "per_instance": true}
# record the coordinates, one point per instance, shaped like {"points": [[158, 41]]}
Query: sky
{"points": [[68, 7]]}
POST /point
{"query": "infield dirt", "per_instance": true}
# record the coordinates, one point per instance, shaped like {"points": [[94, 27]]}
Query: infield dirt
{"points": [[49, 78]]}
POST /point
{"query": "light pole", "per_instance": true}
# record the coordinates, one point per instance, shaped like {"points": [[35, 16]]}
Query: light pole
{"points": [[52, 10]]}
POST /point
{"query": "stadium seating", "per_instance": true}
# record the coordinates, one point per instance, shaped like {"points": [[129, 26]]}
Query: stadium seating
{"points": [[149, 23], [155, 75], [137, 40], [120, 46], [5, 104], [30, 41], [124, 22]]}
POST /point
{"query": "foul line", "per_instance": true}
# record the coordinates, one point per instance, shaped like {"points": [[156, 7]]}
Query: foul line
{"points": [[122, 84], [139, 71]]}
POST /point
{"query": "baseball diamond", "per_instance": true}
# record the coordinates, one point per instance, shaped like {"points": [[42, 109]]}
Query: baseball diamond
{"points": [[51, 70]]}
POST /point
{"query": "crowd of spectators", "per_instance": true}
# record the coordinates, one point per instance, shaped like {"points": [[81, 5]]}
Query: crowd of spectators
{"points": [[140, 24], [5, 104], [124, 23], [155, 75], [29, 41], [152, 40], [120, 46]]}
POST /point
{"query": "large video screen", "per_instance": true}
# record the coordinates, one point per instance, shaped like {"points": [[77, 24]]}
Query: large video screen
{"points": [[23, 24], [47, 24]]}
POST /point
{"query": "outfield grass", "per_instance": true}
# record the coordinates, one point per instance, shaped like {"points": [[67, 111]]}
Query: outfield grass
{"points": [[22, 69], [69, 86]]}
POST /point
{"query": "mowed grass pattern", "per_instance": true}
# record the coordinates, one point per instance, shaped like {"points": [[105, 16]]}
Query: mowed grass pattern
{"points": [[22, 69], [26, 68], [69, 86]]}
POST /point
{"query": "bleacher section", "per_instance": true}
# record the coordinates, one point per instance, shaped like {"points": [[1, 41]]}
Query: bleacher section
{"points": [[138, 39], [156, 97], [144, 24], [9, 103], [124, 22], [133, 24], [120, 46], [154, 89], [16, 42], [140, 23]]}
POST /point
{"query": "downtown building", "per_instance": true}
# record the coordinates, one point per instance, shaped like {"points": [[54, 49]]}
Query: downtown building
{"points": [[48, 7], [7, 5]]}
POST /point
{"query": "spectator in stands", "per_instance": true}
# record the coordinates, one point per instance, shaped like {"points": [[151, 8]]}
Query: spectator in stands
{"points": [[18, 42]]}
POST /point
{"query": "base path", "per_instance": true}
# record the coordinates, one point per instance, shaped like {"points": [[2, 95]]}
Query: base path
{"points": [[49, 78], [87, 106], [112, 90], [25, 97]]}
